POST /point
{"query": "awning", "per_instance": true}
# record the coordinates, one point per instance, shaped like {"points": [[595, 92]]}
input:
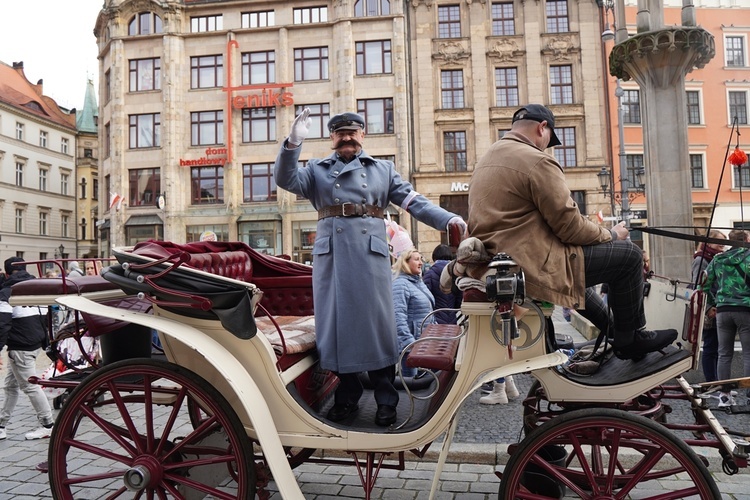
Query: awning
{"points": [[104, 225], [144, 220], [259, 216]]}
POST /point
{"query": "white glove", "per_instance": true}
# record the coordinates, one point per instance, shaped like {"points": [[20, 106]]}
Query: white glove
{"points": [[458, 221], [300, 128]]}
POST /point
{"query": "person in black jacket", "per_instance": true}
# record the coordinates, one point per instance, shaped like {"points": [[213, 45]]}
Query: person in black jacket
{"points": [[441, 255], [23, 330]]}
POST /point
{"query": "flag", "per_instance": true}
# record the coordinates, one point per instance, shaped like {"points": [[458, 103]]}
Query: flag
{"points": [[115, 200], [600, 216]]}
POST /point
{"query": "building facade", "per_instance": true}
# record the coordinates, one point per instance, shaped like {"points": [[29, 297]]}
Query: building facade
{"points": [[473, 64], [717, 100], [37, 171], [197, 96]]}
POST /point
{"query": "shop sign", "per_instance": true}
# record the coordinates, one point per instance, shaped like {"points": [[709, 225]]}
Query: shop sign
{"points": [[212, 156], [459, 187]]}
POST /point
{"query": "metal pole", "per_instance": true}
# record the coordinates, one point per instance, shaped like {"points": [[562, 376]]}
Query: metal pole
{"points": [[624, 182]]}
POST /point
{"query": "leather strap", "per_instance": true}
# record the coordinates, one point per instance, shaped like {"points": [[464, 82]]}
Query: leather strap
{"points": [[350, 210]]}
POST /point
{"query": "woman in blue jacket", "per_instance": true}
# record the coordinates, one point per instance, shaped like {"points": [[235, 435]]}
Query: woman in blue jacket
{"points": [[412, 301]]}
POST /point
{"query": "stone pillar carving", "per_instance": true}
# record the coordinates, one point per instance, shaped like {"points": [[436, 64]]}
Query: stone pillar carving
{"points": [[658, 60]]}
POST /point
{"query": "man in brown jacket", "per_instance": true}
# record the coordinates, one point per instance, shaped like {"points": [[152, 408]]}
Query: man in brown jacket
{"points": [[520, 204]]}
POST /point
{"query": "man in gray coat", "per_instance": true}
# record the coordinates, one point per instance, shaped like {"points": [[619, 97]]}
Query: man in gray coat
{"points": [[354, 319]]}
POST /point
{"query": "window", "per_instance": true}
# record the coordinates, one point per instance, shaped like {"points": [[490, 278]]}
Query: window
{"points": [[107, 139], [83, 228], [206, 72], [144, 186], [364, 8], [741, 176], [19, 131], [43, 231], [503, 19], [43, 137], [144, 23], [19, 220], [43, 177], [19, 173], [258, 124], [201, 24], [64, 181], [88, 153], [83, 188], [95, 190], [557, 16], [696, 171], [145, 74], [319, 114], [579, 197], [194, 232], [378, 115], [631, 106], [506, 87], [64, 145], [738, 107], [311, 64], [452, 88], [693, 107], [258, 183], [207, 185], [501, 133], [633, 163], [449, 21], [258, 67], [454, 151], [134, 234], [145, 130], [206, 127], [566, 151], [309, 15], [373, 58], [65, 225], [561, 84], [259, 19], [107, 86], [734, 47]]}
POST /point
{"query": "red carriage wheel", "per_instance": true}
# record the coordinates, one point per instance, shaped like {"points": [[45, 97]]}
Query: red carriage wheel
{"points": [[603, 454], [126, 432]]}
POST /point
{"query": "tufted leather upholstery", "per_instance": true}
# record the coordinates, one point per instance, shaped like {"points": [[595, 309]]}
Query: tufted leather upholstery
{"points": [[60, 286], [234, 264], [435, 354]]}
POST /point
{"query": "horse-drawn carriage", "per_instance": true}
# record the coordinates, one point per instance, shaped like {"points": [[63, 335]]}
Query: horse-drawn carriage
{"points": [[239, 398]]}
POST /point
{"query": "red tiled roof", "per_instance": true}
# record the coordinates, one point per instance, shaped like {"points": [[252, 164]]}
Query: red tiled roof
{"points": [[17, 91]]}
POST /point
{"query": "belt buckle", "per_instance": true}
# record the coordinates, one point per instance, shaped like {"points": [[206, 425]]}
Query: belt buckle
{"points": [[350, 209]]}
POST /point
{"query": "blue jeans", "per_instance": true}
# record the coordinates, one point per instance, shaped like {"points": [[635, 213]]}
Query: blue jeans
{"points": [[21, 366], [729, 325]]}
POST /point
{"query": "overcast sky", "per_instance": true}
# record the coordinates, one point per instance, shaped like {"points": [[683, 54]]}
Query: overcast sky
{"points": [[55, 40]]}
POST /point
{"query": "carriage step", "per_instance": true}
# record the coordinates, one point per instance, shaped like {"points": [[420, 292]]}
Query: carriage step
{"points": [[436, 348]]}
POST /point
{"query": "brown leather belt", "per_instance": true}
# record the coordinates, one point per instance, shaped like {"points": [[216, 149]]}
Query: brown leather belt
{"points": [[350, 210]]}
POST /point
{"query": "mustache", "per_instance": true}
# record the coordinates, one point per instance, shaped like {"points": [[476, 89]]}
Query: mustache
{"points": [[347, 142]]}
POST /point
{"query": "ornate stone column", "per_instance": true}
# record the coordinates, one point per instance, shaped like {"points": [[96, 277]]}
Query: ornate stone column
{"points": [[658, 60]]}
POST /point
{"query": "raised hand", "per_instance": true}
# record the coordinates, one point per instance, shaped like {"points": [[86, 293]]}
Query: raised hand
{"points": [[300, 128]]}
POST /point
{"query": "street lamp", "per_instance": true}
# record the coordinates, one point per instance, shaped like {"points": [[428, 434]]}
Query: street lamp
{"points": [[59, 252], [627, 193]]}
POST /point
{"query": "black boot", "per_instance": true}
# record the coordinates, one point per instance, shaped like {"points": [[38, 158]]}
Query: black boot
{"points": [[642, 342]]}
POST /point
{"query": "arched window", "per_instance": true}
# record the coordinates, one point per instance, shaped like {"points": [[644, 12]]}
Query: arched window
{"points": [[364, 8], [145, 23]]}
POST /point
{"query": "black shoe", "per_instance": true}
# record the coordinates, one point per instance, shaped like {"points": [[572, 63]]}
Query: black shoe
{"points": [[645, 341], [340, 411], [385, 416]]}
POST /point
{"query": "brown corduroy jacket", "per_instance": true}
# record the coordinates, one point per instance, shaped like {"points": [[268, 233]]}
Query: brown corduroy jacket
{"points": [[520, 204]]}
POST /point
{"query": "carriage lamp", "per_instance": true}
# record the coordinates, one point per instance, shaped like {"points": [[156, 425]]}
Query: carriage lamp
{"points": [[59, 252], [507, 284]]}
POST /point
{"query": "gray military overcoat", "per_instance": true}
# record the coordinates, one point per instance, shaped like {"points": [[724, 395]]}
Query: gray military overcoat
{"points": [[354, 319]]}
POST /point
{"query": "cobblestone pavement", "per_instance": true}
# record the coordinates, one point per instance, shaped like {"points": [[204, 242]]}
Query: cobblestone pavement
{"points": [[479, 450]]}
